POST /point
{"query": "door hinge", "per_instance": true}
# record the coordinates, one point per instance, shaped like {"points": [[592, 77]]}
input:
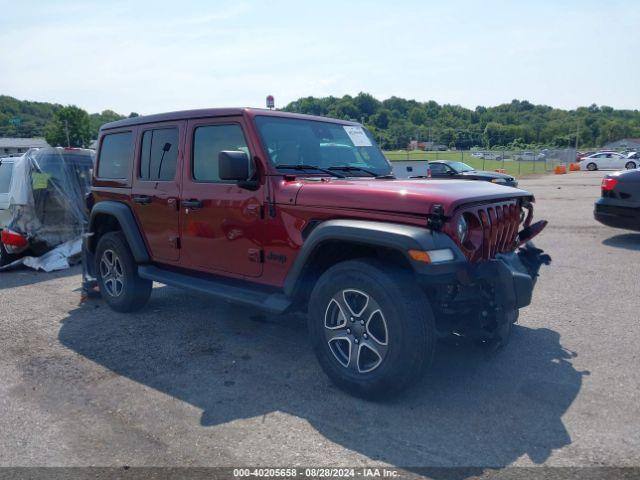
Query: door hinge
{"points": [[256, 255], [175, 242]]}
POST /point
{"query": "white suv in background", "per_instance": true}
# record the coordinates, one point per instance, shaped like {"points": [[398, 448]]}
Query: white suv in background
{"points": [[6, 172]]}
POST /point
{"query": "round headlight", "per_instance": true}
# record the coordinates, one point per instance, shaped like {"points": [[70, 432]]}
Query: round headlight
{"points": [[462, 229]]}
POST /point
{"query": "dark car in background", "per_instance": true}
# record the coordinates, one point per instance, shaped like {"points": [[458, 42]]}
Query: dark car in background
{"points": [[46, 202], [462, 171], [619, 205]]}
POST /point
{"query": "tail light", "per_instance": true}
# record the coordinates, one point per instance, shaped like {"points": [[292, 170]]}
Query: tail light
{"points": [[609, 184], [13, 239]]}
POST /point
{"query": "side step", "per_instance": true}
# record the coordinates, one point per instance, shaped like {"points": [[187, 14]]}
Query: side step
{"points": [[253, 297]]}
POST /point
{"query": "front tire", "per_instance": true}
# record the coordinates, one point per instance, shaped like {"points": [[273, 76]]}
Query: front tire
{"points": [[630, 166], [117, 274], [371, 327], [592, 167]]}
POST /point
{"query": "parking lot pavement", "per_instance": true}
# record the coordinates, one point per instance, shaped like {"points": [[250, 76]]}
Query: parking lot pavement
{"points": [[189, 381]]}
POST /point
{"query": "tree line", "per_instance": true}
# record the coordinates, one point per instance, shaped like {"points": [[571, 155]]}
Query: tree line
{"points": [[59, 125], [394, 122], [519, 124]]}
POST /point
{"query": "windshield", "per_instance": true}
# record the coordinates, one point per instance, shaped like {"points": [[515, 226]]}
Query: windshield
{"points": [[461, 167], [325, 145]]}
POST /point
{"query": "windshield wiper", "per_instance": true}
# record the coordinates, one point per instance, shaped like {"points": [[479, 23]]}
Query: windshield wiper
{"points": [[310, 167], [358, 169]]}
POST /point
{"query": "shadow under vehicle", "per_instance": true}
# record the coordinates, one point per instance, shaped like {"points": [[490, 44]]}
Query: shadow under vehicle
{"points": [[470, 410]]}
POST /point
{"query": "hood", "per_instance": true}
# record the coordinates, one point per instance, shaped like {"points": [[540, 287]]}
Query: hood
{"points": [[486, 174], [401, 196]]}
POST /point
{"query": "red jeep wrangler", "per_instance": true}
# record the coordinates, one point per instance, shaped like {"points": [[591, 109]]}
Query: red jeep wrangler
{"points": [[284, 212]]}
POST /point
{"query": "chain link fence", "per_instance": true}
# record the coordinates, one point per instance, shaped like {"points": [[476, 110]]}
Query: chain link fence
{"points": [[514, 162]]}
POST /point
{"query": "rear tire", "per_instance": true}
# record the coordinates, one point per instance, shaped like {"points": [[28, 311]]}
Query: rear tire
{"points": [[117, 274], [592, 167], [630, 166], [5, 257], [371, 327]]}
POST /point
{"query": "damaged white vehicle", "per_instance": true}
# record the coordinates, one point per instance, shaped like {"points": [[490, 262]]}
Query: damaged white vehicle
{"points": [[47, 212]]}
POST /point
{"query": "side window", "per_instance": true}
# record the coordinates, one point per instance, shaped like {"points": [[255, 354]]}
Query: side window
{"points": [[114, 160], [159, 154], [437, 168], [6, 169], [208, 142]]}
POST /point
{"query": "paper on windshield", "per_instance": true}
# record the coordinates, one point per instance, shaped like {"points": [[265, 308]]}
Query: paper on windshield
{"points": [[357, 136]]}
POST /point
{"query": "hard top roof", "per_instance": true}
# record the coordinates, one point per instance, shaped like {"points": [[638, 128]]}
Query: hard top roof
{"points": [[215, 112]]}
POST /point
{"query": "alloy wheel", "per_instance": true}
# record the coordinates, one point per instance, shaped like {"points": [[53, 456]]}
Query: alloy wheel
{"points": [[112, 273], [356, 330]]}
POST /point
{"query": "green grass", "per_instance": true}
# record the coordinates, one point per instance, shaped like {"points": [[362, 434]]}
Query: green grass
{"points": [[514, 168]]}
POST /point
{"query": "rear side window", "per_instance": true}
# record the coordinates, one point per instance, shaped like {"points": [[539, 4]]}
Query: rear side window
{"points": [[159, 154], [208, 142], [6, 169], [115, 156]]}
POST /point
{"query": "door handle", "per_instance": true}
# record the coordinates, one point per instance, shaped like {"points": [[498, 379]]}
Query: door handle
{"points": [[191, 203], [142, 199]]}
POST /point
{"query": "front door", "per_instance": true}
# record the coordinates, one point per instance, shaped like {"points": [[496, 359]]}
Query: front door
{"points": [[605, 161], [156, 187], [220, 222]]}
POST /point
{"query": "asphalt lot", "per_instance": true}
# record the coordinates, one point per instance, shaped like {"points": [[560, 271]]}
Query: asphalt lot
{"points": [[189, 381]]}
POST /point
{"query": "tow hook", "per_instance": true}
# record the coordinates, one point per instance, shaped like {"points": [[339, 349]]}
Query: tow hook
{"points": [[495, 334]]}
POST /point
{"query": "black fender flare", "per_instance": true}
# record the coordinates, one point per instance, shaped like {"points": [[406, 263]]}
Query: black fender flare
{"points": [[128, 224], [399, 237]]}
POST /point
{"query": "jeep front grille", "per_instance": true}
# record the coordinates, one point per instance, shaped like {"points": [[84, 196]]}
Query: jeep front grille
{"points": [[493, 229]]}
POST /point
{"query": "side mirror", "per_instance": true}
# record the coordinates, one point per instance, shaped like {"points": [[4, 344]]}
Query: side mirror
{"points": [[233, 165]]}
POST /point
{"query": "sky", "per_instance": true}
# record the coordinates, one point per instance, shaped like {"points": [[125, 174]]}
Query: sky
{"points": [[155, 56]]}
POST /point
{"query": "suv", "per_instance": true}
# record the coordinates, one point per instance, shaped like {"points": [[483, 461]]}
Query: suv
{"points": [[285, 212], [6, 172], [46, 204]]}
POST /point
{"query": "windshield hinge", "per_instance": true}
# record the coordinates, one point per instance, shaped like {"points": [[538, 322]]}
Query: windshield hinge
{"points": [[436, 218]]}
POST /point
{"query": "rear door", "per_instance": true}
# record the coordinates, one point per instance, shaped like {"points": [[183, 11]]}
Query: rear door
{"points": [[156, 187], [220, 222]]}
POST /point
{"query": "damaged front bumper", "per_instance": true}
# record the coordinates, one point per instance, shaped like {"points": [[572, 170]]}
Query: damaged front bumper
{"points": [[512, 276], [482, 301]]}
